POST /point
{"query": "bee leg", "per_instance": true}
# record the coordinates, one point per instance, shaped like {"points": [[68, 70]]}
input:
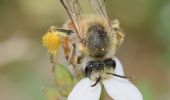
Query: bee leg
{"points": [[125, 77], [120, 37], [69, 52], [52, 59], [66, 47], [72, 55], [72, 59], [97, 81]]}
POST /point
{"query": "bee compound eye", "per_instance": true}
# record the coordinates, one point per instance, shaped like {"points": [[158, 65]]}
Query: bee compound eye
{"points": [[110, 62]]}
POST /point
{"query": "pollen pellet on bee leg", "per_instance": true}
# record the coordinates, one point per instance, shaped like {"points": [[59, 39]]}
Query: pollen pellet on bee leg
{"points": [[52, 41]]}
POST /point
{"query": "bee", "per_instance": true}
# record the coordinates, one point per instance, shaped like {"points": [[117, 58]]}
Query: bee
{"points": [[91, 40]]}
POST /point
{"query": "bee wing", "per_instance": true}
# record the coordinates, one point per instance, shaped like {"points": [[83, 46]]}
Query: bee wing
{"points": [[100, 8], [74, 11]]}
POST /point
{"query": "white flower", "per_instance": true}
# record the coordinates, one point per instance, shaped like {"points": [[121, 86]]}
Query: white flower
{"points": [[117, 88]]}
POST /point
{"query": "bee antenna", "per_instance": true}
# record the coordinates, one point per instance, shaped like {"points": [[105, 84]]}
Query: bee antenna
{"points": [[125, 77], [97, 81]]}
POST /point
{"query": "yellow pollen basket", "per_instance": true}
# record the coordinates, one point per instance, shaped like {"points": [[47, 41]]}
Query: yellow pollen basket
{"points": [[52, 41]]}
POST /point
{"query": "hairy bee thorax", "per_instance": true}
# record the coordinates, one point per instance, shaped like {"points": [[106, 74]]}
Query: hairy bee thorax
{"points": [[97, 41], [98, 38]]}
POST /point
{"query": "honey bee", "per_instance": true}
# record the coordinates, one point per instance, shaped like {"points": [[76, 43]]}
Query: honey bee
{"points": [[91, 40]]}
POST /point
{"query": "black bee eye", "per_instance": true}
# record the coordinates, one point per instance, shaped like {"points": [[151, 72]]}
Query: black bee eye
{"points": [[110, 62]]}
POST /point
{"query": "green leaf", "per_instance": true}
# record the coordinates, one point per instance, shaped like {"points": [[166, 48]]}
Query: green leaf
{"points": [[64, 80], [53, 94]]}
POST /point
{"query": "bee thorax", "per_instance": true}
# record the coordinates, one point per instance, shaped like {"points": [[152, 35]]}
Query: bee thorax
{"points": [[97, 41]]}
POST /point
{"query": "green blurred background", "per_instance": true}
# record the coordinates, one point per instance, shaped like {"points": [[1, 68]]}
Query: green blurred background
{"points": [[24, 64]]}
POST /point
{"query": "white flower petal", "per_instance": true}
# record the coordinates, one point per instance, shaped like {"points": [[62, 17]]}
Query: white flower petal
{"points": [[84, 91], [121, 89], [119, 68]]}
